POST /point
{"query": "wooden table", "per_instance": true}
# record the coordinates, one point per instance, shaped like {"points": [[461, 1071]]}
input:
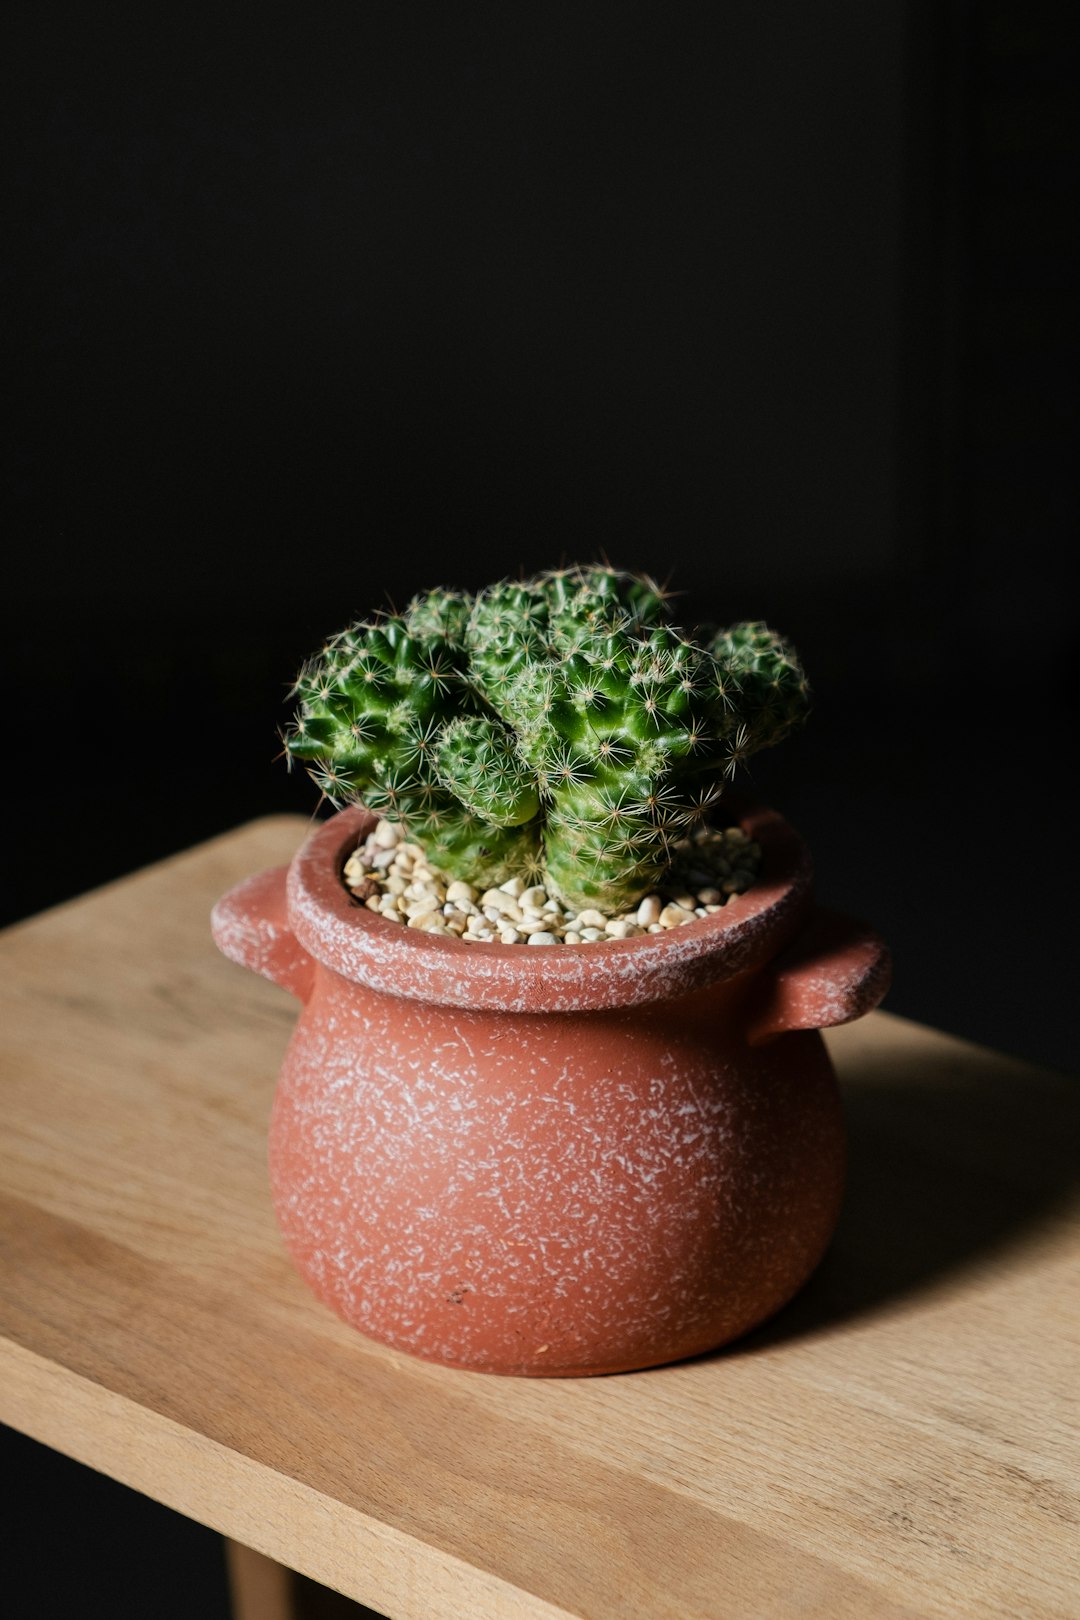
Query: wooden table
{"points": [[902, 1441]]}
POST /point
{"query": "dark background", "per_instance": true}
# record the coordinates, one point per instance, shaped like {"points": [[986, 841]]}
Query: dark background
{"points": [[308, 308]]}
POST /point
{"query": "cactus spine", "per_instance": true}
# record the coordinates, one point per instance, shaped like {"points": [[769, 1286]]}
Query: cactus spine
{"points": [[558, 727]]}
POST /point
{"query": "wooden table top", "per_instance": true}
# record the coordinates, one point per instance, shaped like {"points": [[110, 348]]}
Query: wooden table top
{"points": [[901, 1441]]}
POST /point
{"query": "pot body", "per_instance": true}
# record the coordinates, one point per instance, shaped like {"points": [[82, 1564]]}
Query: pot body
{"points": [[552, 1194], [564, 1160]]}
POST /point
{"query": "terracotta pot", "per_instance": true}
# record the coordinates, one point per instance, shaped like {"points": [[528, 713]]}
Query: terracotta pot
{"points": [[556, 1160]]}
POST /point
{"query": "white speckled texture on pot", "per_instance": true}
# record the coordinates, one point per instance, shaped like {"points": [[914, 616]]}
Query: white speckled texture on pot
{"points": [[555, 1162], [551, 1194]]}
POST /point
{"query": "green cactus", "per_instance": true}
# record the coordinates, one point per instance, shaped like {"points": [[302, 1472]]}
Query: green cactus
{"points": [[559, 727]]}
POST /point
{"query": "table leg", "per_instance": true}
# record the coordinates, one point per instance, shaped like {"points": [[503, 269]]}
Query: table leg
{"points": [[259, 1588]]}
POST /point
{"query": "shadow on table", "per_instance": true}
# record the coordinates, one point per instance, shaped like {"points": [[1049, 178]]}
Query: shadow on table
{"points": [[953, 1157]]}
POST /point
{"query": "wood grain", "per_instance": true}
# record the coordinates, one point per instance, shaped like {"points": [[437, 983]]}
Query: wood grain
{"points": [[902, 1441]]}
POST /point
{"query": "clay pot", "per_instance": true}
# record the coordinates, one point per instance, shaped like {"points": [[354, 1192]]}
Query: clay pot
{"points": [[556, 1160]]}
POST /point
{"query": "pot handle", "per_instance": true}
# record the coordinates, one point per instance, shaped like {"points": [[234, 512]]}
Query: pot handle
{"points": [[834, 971], [250, 925]]}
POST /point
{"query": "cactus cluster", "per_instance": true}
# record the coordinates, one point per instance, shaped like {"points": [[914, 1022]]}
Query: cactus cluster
{"points": [[560, 727]]}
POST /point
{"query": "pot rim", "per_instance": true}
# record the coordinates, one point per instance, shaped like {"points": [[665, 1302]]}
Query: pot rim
{"points": [[360, 945]]}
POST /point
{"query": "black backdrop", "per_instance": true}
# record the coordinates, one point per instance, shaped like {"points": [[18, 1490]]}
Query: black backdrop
{"points": [[307, 308]]}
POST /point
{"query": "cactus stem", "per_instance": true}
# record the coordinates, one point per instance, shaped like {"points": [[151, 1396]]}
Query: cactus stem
{"points": [[557, 725]]}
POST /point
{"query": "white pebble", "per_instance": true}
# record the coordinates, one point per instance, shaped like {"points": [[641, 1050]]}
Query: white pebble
{"points": [[503, 905], [513, 887], [709, 896], [508, 935], [674, 915], [386, 835], [648, 912], [591, 919], [422, 907], [430, 921], [534, 899], [619, 928], [592, 933], [458, 891], [571, 937], [542, 938]]}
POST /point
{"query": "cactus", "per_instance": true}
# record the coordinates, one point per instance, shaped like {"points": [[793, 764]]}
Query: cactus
{"points": [[558, 727]]}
